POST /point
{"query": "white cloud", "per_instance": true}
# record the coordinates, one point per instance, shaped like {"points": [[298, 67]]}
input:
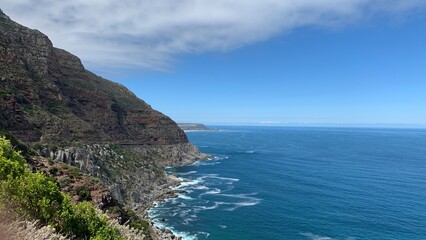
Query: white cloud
{"points": [[149, 33]]}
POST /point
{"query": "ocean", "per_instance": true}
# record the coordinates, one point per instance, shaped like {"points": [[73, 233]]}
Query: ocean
{"points": [[301, 183]]}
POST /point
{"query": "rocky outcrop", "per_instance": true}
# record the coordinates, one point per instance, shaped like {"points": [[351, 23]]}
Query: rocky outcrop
{"points": [[133, 173], [170, 155], [106, 163]]}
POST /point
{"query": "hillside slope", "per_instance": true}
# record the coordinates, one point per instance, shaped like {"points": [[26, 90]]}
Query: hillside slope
{"points": [[70, 115], [47, 96]]}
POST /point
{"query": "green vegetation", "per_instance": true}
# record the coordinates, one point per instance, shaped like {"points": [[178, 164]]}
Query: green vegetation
{"points": [[138, 223], [5, 91], [134, 221], [18, 145], [39, 197], [130, 159], [84, 194]]}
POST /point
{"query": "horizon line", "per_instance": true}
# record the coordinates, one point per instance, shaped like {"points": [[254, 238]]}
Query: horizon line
{"points": [[342, 125]]}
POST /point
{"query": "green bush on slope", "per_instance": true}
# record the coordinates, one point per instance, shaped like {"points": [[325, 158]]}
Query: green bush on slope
{"points": [[39, 197]]}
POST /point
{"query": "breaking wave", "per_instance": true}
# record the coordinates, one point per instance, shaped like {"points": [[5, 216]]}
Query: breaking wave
{"points": [[201, 192]]}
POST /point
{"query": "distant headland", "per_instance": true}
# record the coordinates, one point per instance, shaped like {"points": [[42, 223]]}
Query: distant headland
{"points": [[193, 127]]}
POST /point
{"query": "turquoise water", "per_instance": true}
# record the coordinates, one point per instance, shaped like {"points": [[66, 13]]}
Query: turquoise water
{"points": [[302, 183]]}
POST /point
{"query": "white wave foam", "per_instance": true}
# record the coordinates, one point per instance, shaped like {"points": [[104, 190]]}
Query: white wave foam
{"points": [[215, 191], [184, 213], [250, 152], [196, 163], [205, 163], [223, 226], [183, 196], [248, 200], [186, 183], [214, 206], [241, 195], [243, 204], [217, 158], [319, 237], [211, 192], [215, 176], [187, 221], [202, 187], [315, 237], [209, 161], [183, 235], [206, 234], [186, 173]]}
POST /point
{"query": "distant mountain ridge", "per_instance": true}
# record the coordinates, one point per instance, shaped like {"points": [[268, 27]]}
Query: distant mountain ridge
{"points": [[193, 127]]}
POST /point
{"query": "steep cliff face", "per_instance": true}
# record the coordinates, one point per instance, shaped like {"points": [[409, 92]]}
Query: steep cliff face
{"points": [[47, 96], [50, 101]]}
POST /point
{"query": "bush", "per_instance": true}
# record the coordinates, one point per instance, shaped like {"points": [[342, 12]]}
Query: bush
{"points": [[17, 144], [39, 197], [84, 194], [12, 164], [35, 195], [83, 221]]}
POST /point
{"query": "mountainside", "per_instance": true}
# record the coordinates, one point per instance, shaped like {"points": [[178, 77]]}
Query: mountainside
{"points": [[47, 96], [69, 115]]}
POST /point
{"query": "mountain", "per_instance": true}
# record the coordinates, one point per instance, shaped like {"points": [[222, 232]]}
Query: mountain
{"points": [[48, 96], [193, 127], [68, 114]]}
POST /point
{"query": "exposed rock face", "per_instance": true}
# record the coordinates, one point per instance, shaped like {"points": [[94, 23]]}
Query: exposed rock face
{"points": [[132, 178], [47, 98], [170, 155]]}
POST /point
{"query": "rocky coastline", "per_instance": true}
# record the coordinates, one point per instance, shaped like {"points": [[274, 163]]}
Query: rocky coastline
{"points": [[99, 159], [165, 192]]}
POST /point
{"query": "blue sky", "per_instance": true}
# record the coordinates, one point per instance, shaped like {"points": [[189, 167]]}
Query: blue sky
{"points": [[276, 62], [368, 73]]}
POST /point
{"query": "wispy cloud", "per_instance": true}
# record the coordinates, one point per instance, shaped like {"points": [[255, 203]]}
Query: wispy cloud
{"points": [[150, 33]]}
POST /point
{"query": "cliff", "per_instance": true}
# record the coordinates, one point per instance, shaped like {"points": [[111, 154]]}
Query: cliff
{"points": [[68, 114]]}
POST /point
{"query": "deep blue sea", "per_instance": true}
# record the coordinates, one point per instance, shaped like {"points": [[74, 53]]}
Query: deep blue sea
{"points": [[302, 183]]}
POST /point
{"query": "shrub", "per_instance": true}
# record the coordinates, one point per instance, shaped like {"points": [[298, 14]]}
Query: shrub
{"points": [[35, 195], [84, 194], [17, 144], [39, 197], [12, 164], [83, 221]]}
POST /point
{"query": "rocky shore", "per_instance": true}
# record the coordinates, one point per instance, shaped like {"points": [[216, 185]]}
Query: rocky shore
{"points": [[165, 192]]}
